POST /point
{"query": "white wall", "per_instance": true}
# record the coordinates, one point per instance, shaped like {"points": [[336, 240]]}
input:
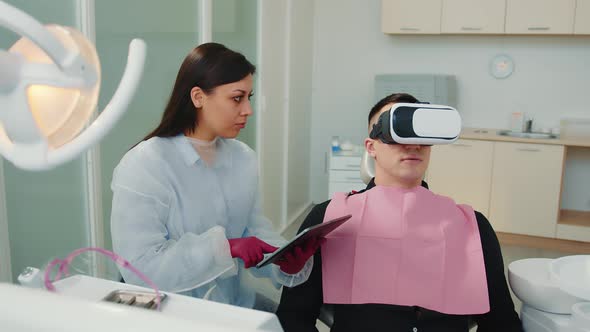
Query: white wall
{"points": [[300, 78], [551, 79], [286, 28], [272, 58]]}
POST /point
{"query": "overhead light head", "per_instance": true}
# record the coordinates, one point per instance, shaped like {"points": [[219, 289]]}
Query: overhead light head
{"points": [[49, 86], [61, 112]]}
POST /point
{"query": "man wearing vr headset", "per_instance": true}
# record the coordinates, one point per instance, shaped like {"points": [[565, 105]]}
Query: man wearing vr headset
{"points": [[408, 259]]}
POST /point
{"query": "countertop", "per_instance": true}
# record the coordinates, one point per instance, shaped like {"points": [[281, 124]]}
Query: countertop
{"points": [[355, 152], [487, 134]]}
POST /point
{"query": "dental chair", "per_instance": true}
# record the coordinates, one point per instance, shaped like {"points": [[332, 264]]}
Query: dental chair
{"points": [[555, 292], [367, 168], [367, 173]]}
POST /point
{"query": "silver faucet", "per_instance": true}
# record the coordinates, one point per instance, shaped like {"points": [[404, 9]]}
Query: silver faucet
{"points": [[528, 126]]}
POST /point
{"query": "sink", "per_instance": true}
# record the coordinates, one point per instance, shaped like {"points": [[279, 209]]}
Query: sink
{"points": [[572, 274], [531, 282], [526, 135], [581, 315]]}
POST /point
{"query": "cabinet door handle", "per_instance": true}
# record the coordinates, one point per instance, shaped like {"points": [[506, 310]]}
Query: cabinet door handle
{"points": [[353, 165], [539, 28], [471, 28], [528, 149], [461, 145], [409, 29]]}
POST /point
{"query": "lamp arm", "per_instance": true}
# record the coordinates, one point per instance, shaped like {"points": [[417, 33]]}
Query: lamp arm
{"points": [[10, 67], [25, 25]]}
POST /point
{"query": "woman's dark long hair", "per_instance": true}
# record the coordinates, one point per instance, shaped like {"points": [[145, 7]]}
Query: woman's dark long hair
{"points": [[207, 66]]}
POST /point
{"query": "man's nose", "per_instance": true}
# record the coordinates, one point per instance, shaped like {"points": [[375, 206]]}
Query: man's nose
{"points": [[413, 146]]}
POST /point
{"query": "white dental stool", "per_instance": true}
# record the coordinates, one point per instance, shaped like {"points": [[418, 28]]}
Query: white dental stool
{"points": [[555, 293]]}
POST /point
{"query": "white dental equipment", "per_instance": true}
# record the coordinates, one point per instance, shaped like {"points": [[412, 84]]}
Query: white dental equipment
{"points": [[555, 293], [49, 86]]}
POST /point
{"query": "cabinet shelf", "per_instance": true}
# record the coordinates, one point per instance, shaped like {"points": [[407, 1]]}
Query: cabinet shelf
{"points": [[574, 217], [563, 246]]}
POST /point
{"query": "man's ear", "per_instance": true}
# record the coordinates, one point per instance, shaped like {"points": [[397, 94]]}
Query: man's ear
{"points": [[370, 147], [197, 97]]}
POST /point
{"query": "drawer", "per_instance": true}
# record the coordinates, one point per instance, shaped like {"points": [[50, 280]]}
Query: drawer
{"points": [[345, 163], [346, 176]]}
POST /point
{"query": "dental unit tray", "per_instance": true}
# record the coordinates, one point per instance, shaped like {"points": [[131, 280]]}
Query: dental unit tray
{"points": [[138, 299]]}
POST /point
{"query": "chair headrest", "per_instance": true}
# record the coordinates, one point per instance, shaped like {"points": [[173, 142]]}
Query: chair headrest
{"points": [[367, 167]]}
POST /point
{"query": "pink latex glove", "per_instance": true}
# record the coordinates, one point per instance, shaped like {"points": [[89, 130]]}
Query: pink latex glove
{"points": [[295, 260], [249, 249]]}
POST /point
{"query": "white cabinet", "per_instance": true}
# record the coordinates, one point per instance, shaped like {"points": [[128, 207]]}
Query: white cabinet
{"points": [[344, 172], [540, 16], [473, 16], [582, 21], [526, 187], [516, 185], [463, 171], [411, 16]]}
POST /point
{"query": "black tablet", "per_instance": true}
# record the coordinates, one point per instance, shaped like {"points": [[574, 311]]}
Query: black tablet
{"points": [[317, 231]]}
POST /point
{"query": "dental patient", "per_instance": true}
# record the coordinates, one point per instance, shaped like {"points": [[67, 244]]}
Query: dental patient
{"points": [[408, 259]]}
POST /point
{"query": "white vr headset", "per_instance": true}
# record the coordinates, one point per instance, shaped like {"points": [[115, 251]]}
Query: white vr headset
{"points": [[422, 124]]}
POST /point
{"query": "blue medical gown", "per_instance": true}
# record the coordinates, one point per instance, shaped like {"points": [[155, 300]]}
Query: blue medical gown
{"points": [[172, 215]]}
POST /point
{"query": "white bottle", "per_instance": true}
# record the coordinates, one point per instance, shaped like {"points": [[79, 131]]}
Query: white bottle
{"points": [[517, 121], [335, 144]]}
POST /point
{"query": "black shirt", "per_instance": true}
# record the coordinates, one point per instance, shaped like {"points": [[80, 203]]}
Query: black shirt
{"points": [[300, 305]]}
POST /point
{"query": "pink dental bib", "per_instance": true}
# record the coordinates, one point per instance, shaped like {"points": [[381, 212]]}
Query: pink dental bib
{"points": [[406, 247]]}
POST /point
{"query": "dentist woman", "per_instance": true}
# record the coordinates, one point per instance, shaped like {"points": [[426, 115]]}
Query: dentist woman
{"points": [[186, 209]]}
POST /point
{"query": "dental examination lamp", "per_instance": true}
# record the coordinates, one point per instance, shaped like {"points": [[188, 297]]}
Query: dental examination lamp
{"points": [[49, 86]]}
